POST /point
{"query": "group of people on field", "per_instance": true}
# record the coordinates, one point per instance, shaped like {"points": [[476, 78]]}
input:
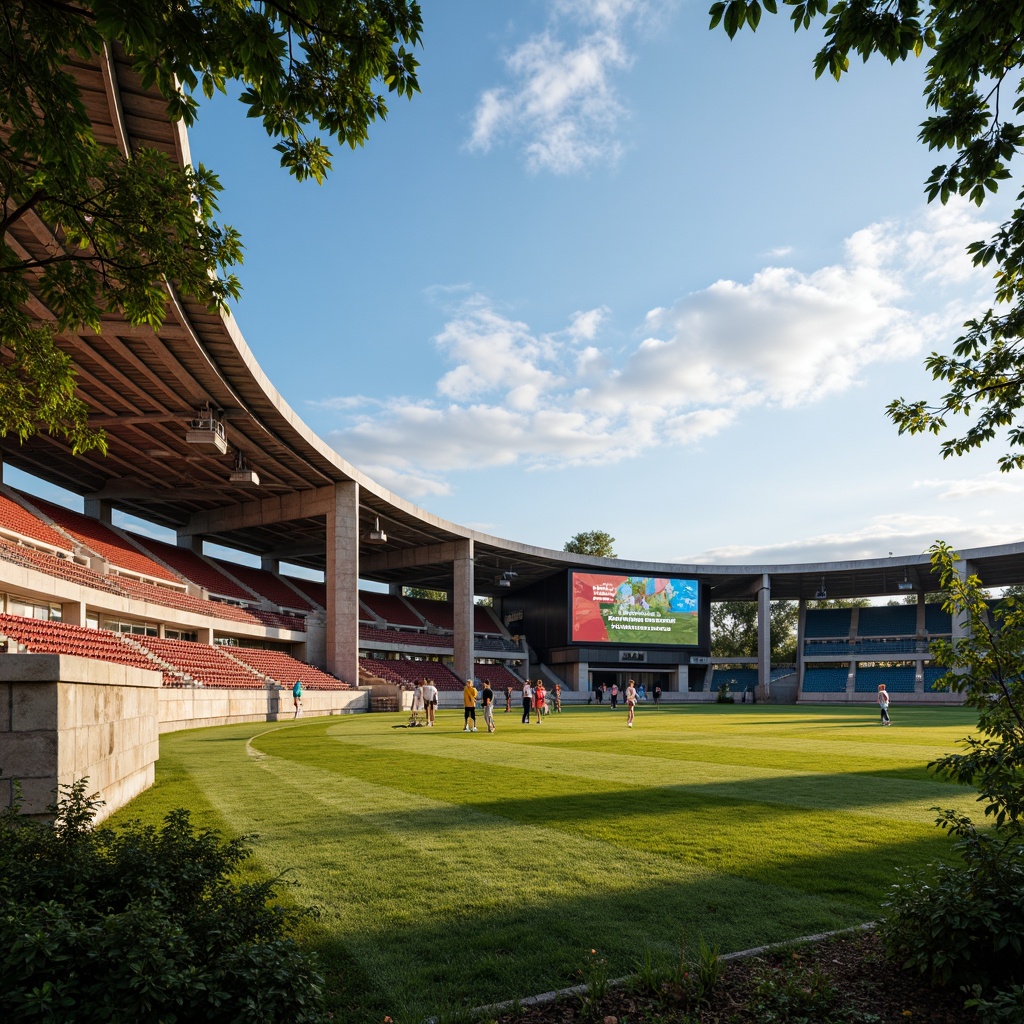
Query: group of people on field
{"points": [[613, 693], [535, 698]]}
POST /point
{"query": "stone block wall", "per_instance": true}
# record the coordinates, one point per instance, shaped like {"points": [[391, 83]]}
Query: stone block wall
{"points": [[64, 718]]}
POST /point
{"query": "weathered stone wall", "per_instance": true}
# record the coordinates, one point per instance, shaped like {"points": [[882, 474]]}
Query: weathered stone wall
{"points": [[64, 718]]}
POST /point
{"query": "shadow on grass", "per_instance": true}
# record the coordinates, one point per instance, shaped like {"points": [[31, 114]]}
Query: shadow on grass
{"points": [[409, 965]]}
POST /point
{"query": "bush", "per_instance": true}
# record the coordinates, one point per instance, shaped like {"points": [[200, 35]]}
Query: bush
{"points": [[137, 923]]}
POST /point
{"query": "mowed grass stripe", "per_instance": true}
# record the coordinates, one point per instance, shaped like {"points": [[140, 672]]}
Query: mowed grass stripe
{"points": [[457, 869], [489, 759]]}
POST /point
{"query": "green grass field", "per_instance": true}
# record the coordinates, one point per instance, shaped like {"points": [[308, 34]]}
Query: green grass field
{"points": [[456, 869]]}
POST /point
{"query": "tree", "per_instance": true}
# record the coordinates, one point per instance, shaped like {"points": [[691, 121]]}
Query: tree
{"points": [[975, 92], [423, 594], [734, 630], [127, 224], [962, 923], [591, 542]]}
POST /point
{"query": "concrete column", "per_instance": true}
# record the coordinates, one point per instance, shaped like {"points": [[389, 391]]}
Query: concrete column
{"points": [[764, 637], [801, 628], [462, 609], [191, 541], [395, 589], [204, 635], [73, 613], [921, 619], [342, 579], [579, 676], [683, 679], [99, 508], [962, 622], [270, 564]]}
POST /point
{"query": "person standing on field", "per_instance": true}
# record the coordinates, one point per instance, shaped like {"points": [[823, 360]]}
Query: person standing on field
{"points": [[508, 698], [630, 702], [297, 697], [540, 696], [558, 698], [527, 701], [615, 696], [657, 694], [883, 703], [487, 696], [429, 700], [469, 695]]}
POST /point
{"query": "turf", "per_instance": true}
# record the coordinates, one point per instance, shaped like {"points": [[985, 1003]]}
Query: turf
{"points": [[455, 869]]}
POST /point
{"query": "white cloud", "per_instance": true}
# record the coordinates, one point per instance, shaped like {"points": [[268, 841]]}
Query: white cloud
{"points": [[973, 487], [901, 534], [513, 395], [560, 105]]}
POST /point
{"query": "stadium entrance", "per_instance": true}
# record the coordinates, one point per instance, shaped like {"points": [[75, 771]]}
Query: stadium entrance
{"points": [[648, 680]]}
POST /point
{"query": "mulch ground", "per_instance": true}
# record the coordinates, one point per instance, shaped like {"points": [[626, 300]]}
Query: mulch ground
{"points": [[846, 980]]}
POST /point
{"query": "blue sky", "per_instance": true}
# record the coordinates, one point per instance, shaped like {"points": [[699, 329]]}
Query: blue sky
{"points": [[613, 271]]}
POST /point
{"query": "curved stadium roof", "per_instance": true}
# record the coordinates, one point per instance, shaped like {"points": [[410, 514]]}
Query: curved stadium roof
{"points": [[143, 386]]}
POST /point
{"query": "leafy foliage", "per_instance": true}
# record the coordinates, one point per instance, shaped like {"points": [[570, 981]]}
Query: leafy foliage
{"points": [[128, 223], [734, 630], [964, 923], [140, 923], [591, 542], [975, 93]]}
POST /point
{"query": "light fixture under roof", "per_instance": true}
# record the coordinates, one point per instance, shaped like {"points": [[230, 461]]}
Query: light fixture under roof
{"points": [[243, 473], [906, 584], [207, 431], [822, 593], [376, 535]]}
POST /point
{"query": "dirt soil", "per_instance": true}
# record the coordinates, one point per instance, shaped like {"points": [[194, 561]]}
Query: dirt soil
{"points": [[847, 980]]}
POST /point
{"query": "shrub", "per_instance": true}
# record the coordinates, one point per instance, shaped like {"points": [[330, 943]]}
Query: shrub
{"points": [[141, 923], [963, 924]]}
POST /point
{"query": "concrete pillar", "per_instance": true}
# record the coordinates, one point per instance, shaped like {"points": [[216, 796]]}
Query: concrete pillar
{"points": [[204, 635], [579, 676], [191, 542], [268, 564], [73, 613], [801, 629], [342, 579], [764, 637], [683, 679], [462, 609], [921, 619], [854, 623], [99, 508], [395, 589]]}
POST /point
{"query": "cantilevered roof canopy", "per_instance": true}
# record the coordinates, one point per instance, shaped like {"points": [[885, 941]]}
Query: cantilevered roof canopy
{"points": [[143, 387]]}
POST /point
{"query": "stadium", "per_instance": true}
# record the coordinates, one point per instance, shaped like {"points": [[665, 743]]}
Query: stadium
{"points": [[201, 443], [440, 871]]}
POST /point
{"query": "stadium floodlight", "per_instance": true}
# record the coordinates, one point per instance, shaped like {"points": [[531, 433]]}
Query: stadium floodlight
{"points": [[503, 582], [821, 594], [207, 431], [376, 535], [906, 584]]}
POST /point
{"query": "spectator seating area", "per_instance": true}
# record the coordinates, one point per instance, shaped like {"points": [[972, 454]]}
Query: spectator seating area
{"points": [[182, 662], [937, 621], [373, 634], [283, 668], [497, 675], [391, 609], [14, 520], [266, 585], [827, 623], [316, 592], [200, 571], [825, 680], [739, 679], [401, 671], [887, 620], [897, 679]]}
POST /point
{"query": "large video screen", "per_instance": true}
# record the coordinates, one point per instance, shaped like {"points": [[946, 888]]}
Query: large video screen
{"points": [[634, 609]]}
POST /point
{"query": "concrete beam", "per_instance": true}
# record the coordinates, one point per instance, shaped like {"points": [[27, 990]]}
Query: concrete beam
{"points": [[410, 558], [317, 501]]}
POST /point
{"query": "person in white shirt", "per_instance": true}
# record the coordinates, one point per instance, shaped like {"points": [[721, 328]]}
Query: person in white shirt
{"points": [[527, 701], [631, 701], [417, 704], [429, 700]]}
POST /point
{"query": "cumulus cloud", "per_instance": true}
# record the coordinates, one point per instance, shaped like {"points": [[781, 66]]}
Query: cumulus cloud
{"points": [[572, 395], [901, 534], [560, 105]]}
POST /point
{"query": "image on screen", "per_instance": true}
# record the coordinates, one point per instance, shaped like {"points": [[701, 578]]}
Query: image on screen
{"points": [[615, 609]]}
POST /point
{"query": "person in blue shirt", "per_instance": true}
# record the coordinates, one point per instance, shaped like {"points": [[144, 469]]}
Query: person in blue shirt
{"points": [[297, 697]]}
